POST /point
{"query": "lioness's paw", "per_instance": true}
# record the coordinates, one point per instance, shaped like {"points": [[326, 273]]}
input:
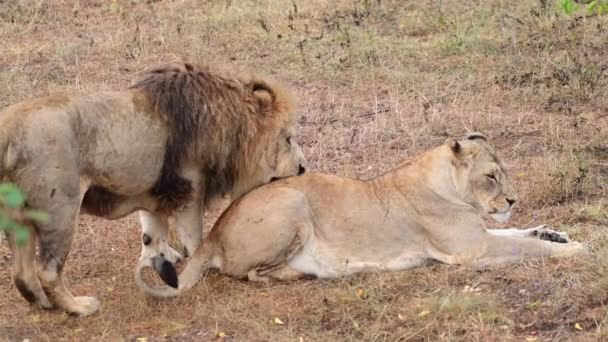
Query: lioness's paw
{"points": [[544, 233], [553, 236], [576, 248]]}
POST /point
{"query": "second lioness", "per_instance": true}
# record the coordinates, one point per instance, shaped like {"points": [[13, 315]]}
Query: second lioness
{"points": [[328, 226]]}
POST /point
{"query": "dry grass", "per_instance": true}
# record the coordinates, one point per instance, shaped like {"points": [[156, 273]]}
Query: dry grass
{"points": [[377, 82]]}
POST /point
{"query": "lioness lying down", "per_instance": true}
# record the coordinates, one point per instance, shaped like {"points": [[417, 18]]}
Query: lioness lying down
{"points": [[328, 226]]}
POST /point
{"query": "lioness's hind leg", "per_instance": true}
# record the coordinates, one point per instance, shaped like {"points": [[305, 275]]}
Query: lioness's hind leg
{"points": [[285, 272], [281, 272], [262, 232], [24, 270], [253, 276]]}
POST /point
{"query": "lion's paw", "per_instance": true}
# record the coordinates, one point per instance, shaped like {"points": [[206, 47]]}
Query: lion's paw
{"points": [[45, 304]]}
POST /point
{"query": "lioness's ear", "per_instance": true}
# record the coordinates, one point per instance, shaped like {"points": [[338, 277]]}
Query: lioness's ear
{"points": [[454, 145], [264, 96]]}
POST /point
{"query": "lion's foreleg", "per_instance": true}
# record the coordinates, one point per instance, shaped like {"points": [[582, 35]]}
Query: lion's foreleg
{"points": [[155, 242], [189, 226], [155, 250]]}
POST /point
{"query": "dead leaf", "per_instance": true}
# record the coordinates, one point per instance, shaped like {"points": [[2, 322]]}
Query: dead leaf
{"points": [[362, 294], [424, 313], [402, 317], [531, 339], [277, 321], [535, 305], [578, 327], [175, 326], [221, 334]]}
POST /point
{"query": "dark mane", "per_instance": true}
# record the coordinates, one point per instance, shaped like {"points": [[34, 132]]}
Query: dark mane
{"points": [[192, 100]]}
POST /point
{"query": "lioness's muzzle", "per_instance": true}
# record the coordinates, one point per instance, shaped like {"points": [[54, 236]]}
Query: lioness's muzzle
{"points": [[166, 270]]}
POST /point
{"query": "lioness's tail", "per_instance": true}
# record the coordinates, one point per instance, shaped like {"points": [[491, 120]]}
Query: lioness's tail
{"points": [[198, 264]]}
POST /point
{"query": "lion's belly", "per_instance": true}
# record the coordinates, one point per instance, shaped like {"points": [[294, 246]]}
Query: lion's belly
{"points": [[323, 261]]}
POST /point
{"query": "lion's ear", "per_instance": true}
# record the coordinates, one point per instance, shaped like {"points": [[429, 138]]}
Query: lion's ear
{"points": [[264, 97], [454, 145]]}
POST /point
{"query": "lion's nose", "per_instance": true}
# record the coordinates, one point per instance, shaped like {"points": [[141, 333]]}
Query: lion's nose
{"points": [[301, 169], [511, 201]]}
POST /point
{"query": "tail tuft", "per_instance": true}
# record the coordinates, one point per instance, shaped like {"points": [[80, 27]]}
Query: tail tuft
{"points": [[198, 264]]}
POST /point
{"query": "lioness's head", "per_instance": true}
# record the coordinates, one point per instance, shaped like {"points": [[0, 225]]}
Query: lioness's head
{"points": [[275, 152], [480, 176]]}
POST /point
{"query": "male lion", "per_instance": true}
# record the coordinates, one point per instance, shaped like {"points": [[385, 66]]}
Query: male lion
{"points": [[179, 137], [328, 226]]}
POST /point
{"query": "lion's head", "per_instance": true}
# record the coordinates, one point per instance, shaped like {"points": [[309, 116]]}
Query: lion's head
{"points": [[241, 128], [481, 177], [274, 152]]}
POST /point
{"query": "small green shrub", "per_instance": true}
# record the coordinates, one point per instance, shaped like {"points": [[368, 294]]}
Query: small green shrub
{"points": [[13, 213], [598, 7]]}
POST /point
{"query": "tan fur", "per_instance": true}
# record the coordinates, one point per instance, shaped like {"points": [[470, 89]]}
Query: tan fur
{"points": [[179, 137], [329, 226]]}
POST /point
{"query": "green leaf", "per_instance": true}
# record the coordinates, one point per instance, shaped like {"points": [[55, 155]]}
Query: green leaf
{"points": [[37, 215], [21, 234], [591, 7], [11, 195], [568, 6], [5, 222], [603, 8]]}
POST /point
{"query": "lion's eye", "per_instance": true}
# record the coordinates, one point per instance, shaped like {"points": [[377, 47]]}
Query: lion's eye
{"points": [[491, 176], [288, 140]]}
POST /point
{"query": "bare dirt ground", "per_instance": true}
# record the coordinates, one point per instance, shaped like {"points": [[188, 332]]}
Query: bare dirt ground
{"points": [[377, 82]]}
